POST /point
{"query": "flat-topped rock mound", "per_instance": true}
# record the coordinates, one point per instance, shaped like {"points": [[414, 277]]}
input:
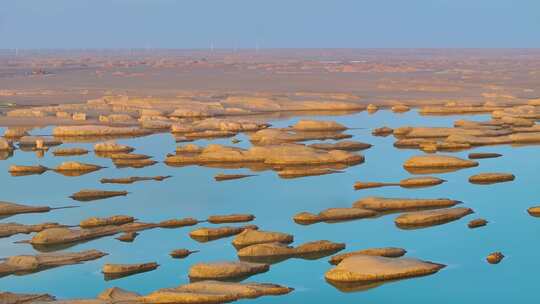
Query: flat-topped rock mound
{"points": [[422, 162], [18, 170], [21, 298], [112, 147], [413, 182], [87, 195], [365, 269], [225, 270], [25, 264], [97, 130], [491, 178], [318, 125], [333, 215], [345, 145], [389, 252], [280, 136], [293, 172], [116, 271], [422, 219], [273, 155], [93, 222], [182, 253], [9, 229], [230, 218], [133, 179], [8, 208], [251, 237], [223, 177], [76, 166], [177, 223], [382, 204], [69, 151], [484, 155], [213, 292], [209, 234], [277, 252]]}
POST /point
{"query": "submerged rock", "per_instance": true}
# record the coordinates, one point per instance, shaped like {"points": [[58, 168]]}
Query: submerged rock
{"points": [[93, 222], [69, 151], [424, 163], [366, 269], [333, 215], [251, 237], [93, 194], [225, 270], [231, 218], [181, 253], [16, 170], [223, 177], [388, 252], [495, 258], [116, 271], [346, 145], [491, 178], [484, 155], [210, 234], [422, 219], [132, 179], [26, 264], [477, 223], [382, 204]]}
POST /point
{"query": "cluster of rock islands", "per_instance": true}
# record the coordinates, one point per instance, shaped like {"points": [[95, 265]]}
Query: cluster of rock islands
{"points": [[282, 150]]}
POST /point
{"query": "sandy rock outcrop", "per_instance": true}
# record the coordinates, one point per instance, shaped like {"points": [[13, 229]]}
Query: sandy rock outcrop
{"points": [[365, 269], [382, 204], [86, 195], [25, 264], [388, 252], [251, 237], [491, 178], [318, 125], [333, 215], [230, 218], [116, 271], [422, 219], [225, 270], [96, 130]]}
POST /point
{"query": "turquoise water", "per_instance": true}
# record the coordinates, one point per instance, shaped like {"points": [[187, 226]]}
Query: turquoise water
{"points": [[192, 192]]}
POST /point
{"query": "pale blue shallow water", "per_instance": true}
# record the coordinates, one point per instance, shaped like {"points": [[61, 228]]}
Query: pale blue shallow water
{"points": [[193, 192]]}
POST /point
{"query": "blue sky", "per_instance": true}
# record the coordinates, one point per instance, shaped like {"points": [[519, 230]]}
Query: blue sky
{"points": [[270, 24]]}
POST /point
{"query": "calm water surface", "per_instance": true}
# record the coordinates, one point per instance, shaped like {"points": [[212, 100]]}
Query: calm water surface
{"points": [[192, 192]]}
